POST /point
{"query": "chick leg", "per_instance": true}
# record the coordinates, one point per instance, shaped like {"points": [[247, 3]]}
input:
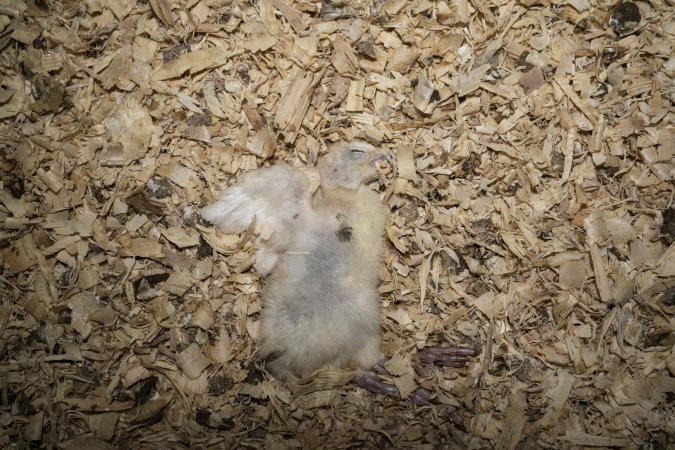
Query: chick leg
{"points": [[441, 356], [447, 356], [368, 380]]}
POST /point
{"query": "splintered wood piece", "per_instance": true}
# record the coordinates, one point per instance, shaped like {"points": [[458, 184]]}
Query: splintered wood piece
{"points": [[178, 283], [422, 95], [199, 133], [113, 156], [560, 388], [366, 46], [18, 255], [532, 79], [259, 141], [213, 102], [121, 8], [162, 309], [132, 127], [291, 14], [262, 41], [293, 51], [354, 101], [578, 102], [24, 33], [406, 163], [142, 247], [14, 205], [51, 62], [203, 317], [220, 349], [193, 61], [163, 11], [192, 361], [293, 105], [472, 80], [344, 59], [180, 237], [401, 59], [515, 421], [103, 425], [597, 233]]}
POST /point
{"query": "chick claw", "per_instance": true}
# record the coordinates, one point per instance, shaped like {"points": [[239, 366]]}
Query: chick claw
{"points": [[446, 356], [368, 380]]}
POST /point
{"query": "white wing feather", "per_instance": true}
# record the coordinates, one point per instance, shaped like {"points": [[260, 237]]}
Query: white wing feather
{"points": [[277, 197]]}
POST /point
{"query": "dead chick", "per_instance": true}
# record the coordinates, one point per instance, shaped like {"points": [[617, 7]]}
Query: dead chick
{"points": [[322, 251]]}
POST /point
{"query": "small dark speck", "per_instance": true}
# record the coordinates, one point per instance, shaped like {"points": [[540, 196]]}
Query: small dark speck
{"points": [[433, 309], [151, 280], [218, 384], [545, 235], [365, 47], [157, 187], [668, 226], [512, 188], [202, 417], [668, 298], [196, 119], [144, 390], [655, 338], [609, 54], [625, 18], [175, 52], [470, 163], [245, 77], [344, 234], [17, 186], [259, 433], [254, 374], [435, 96], [25, 70], [40, 43], [65, 316], [204, 249]]}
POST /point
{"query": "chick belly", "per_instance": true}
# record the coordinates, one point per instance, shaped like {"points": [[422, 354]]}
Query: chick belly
{"points": [[301, 334]]}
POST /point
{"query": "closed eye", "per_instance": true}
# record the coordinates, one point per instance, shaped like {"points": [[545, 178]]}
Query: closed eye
{"points": [[357, 155]]}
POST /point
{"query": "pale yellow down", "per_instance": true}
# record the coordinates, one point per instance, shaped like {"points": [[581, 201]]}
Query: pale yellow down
{"points": [[320, 301]]}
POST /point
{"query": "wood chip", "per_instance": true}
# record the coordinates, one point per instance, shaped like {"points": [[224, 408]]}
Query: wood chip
{"points": [[527, 172]]}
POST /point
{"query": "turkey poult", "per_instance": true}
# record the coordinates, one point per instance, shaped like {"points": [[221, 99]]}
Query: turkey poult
{"points": [[322, 253]]}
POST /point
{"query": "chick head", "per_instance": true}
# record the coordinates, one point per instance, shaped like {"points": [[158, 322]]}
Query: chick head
{"points": [[349, 164]]}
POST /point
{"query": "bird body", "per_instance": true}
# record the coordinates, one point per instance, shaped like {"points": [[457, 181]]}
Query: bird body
{"points": [[320, 302]]}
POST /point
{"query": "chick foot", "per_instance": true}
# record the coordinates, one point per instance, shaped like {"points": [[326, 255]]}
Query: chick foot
{"points": [[440, 356], [369, 381], [446, 356]]}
